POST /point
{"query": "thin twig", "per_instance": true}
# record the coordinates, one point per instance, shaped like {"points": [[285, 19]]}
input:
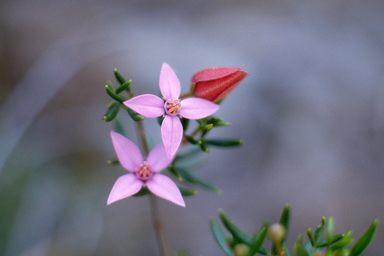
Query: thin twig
{"points": [[185, 95], [155, 213], [157, 223], [144, 143]]}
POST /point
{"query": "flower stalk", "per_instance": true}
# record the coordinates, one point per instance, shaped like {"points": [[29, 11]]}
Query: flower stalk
{"points": [[157, 223]]}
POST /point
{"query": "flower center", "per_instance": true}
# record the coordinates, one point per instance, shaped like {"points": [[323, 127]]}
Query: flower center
{"points": [[172, 107], [144, 171]]}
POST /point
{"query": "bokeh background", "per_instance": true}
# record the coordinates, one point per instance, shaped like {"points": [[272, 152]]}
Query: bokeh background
{"points": [[311, 114]]}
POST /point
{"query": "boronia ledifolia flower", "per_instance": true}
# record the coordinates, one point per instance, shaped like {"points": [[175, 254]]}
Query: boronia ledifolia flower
{"points": [[143, 172], [172, 108], [214, 84]]}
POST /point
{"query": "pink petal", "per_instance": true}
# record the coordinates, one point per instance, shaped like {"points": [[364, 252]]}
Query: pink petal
{"points": [[125, 186], [147, 105], [169, 83], [127, 152], [164, 187], [195, 108], [171, 133], [158, 159]]}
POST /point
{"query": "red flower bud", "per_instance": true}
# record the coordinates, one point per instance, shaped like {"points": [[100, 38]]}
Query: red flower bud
{"points": [[213, 84]]}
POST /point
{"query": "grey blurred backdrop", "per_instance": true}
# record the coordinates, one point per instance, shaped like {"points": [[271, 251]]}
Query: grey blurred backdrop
{"points": [[310, 113]]}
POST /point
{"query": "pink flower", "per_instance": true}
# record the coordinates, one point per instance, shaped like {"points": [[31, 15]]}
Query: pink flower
{"points": [[142, 173], [213, 84], [172, 108]]}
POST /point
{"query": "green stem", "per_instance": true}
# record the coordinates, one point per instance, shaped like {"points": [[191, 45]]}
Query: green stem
{"points": [[158, 225], [156, 218], [143, 138], [185, 95]]}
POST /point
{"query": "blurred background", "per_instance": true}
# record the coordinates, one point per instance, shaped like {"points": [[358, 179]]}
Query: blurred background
{"points": [[310, 114]]}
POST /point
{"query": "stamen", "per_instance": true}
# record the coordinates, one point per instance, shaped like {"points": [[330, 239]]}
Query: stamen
{"points": [[144, 171], [172, 107]]}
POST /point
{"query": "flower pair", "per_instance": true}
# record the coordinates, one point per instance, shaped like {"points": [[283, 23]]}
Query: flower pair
{"points": [[210, 85]]}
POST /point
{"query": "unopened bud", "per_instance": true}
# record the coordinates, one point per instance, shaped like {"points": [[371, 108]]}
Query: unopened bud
{"points": [[213, 84], [276, 232], [241, 250]]}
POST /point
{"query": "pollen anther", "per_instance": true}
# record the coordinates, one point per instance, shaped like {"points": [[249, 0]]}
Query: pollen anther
{"points": [[172, 107], [144, 171]]}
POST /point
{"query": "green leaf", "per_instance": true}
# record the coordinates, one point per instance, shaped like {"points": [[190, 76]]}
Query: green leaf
{"points": [[286, 251], [330, 228], [160, 120], [123, 87], [175, 172], [311, 237], [114, 96], [264, 251], [299, 248], [203, 146], [346, 240], [136, 117], [221, 124], [214, 120], [284, 221], [185, 123], [308, 246], [207, 127], [111, 113], [113, 161], [284, 218], [224, 142], [235, 231], [329, 241], [364, 240], [110, 86], [119, 77], [320, 229], [220, 237], [343, 251], [193, 153], [191, 140], [188, 176], [187, 192], [257, 241]]}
